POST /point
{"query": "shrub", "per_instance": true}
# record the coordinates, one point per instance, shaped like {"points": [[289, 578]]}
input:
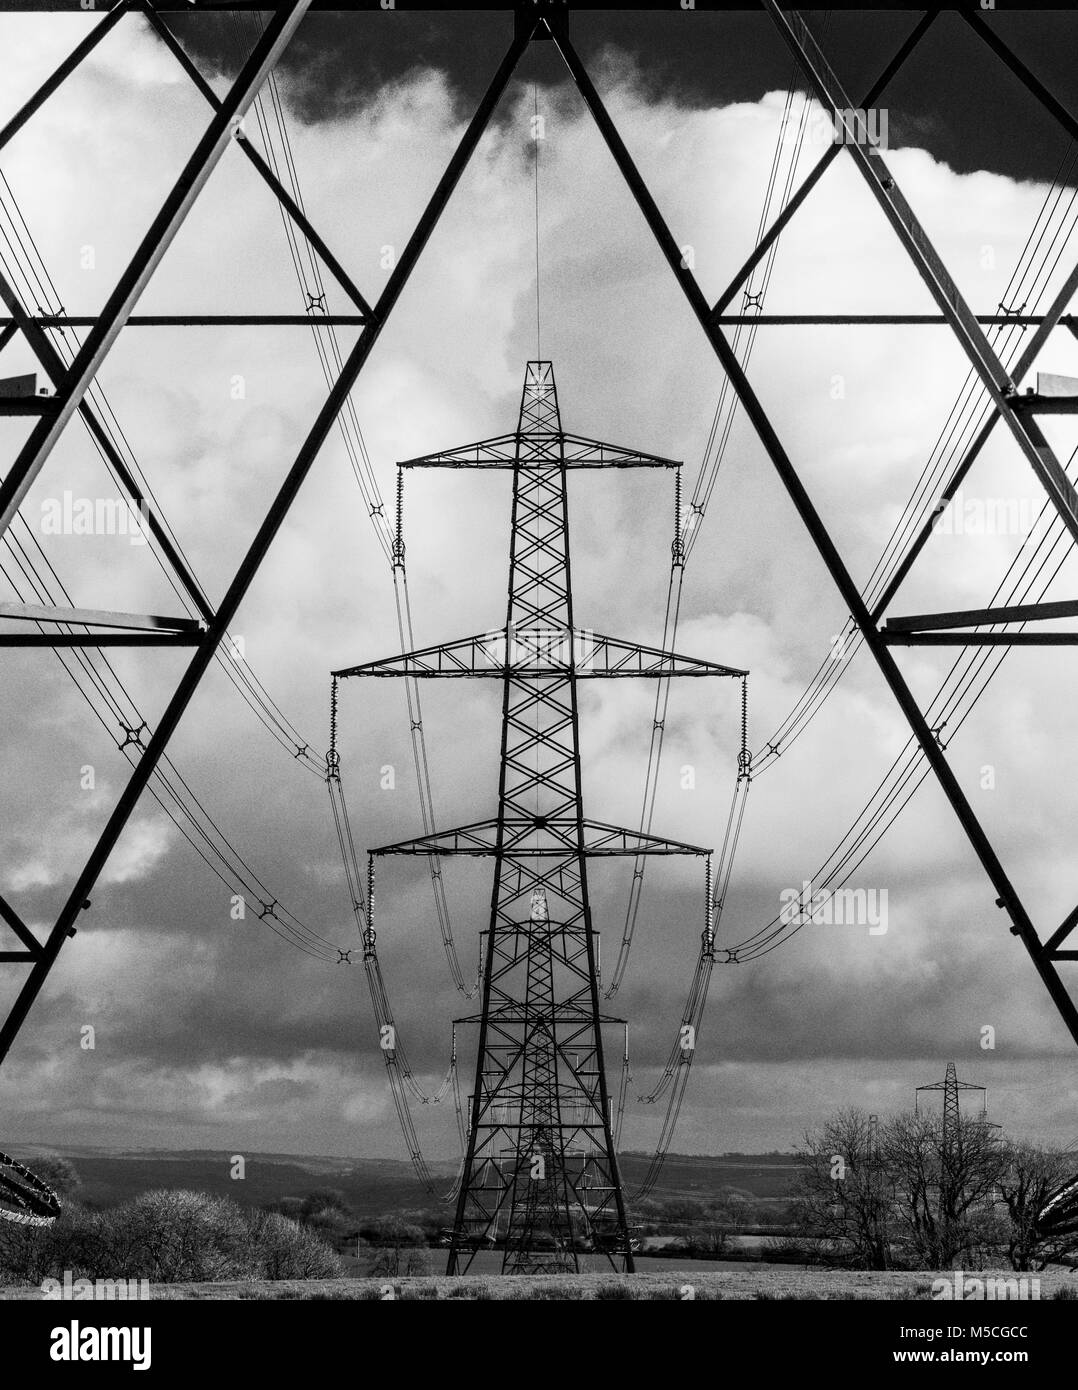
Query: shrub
{"points": [[167, 1237], [283, 1249]]}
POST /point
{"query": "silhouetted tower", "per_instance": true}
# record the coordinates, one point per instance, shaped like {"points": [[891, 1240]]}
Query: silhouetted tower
{"points": [[540, 1178], [952, 1114]]}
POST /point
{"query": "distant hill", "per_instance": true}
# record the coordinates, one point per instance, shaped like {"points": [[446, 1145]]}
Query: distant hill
{"points": [[373, 1186]]}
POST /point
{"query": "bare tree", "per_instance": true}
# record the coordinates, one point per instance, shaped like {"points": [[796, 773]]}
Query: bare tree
{"points": [[1038, 1187], [945, 1181], [846, 1194]]}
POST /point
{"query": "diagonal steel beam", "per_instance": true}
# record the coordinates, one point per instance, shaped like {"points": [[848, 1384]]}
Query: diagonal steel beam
{"points": [[256, 552], [968, 332], [44, 436], [53, 365], [66, 68], [19, 927], [779, 225], [1008, 897], [1029, 355], [1027, 78], [280, 192]]}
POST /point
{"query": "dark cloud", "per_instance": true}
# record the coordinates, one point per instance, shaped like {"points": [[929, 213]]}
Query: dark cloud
{"points": [[953, 97], [175, 989]]}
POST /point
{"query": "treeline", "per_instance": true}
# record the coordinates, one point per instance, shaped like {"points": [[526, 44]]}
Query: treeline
{"points": [[170, 1236], [705, 1227], [912, 1193], [166, 1237]]}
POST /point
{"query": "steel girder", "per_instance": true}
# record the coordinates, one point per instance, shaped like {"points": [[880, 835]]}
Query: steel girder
{"points": [[525, 653], [794, 30], [529, 7], [534, 20], [72, 384]]}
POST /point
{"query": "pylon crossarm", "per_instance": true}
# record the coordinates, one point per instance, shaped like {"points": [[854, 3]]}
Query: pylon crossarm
{"points": [[558, 450], [499, 452], [898, 629], [88, 617], [201, 320], [540, 835], [593, 453], [536, 652]]}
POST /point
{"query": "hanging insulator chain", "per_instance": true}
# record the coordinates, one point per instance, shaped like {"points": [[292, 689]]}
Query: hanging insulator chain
{"points": [[744, 757], [369, 936], [398, 538], [709, 909], [677, 550], [333, 760]]}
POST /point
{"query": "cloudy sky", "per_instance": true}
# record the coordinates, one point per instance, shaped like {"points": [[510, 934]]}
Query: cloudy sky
{"points": [[217, 1034]]}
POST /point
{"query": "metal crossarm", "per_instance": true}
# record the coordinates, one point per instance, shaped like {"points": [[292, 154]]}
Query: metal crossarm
{"points": [[553, 1098], [539, 835], [528, 653], [558, 450], [939, 629]]}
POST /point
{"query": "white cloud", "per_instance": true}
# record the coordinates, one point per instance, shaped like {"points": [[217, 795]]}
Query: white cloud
{"points": [[631, 366]]}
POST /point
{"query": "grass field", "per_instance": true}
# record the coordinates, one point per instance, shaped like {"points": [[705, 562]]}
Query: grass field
{"points": [[759, 1282]]}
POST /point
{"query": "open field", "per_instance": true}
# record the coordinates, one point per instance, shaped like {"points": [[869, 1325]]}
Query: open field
{"points": [[374, 1186], [760, 1282]]}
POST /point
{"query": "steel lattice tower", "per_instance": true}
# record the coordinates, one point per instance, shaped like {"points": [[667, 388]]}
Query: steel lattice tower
{"points": [[202, 628], [540, 1176], [952, 1114]]}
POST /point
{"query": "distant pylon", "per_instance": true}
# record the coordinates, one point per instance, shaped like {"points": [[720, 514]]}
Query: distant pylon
{"points": [[952, 1115], [540, 1180]]}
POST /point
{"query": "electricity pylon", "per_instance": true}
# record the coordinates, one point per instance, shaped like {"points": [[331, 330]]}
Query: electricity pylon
{"points": [[952, 1115], [540, 1178]]}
